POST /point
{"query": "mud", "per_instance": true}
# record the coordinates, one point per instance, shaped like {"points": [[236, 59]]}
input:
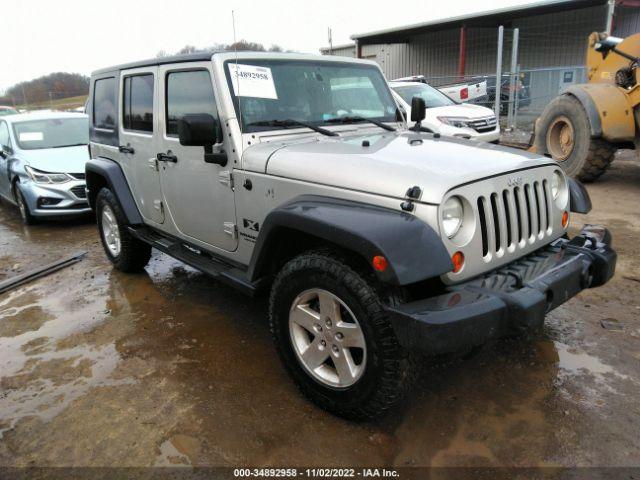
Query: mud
{"points": [[165, 368]]}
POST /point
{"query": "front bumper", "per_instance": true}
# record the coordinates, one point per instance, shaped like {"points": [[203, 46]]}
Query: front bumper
{"points": [[514, 298], [471, 134], [65, 199]]}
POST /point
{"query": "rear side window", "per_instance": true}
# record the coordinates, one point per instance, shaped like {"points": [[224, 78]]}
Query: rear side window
{"points": [[137, 103], [188, 92], [104, 103]]}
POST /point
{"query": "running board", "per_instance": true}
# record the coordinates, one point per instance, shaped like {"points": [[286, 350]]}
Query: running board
{"points": [[197, 258]]}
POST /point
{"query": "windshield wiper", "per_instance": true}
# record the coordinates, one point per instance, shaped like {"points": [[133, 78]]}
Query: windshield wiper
{"points": [[356, 118], [292, 123], [72, 145]]}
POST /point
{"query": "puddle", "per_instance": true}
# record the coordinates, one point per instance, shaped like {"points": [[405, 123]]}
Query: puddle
{"points": [[574, 361]]}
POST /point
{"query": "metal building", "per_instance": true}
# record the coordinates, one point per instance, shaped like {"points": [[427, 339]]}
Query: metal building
{"points": [[553, 33]]}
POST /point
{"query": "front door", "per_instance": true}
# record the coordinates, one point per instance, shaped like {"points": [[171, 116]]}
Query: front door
{"points": [[198, 196], [139, 135]]}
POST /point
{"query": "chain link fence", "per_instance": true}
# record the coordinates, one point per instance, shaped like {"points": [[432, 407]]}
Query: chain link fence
{"points": [[523, 93]]}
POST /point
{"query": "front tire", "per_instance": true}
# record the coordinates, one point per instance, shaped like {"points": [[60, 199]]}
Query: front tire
{"points": [[564, 132], [334, 338], [23, 206], [125, 252]]}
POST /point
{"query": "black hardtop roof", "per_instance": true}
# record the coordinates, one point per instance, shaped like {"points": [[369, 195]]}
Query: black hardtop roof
{"points": [[204, 56], [188, 57]]}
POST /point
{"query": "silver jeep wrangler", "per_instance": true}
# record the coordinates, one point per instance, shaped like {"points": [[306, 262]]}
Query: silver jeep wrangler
{"points": [[298, 176]]}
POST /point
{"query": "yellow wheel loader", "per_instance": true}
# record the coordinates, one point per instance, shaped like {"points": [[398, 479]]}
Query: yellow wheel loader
{"points": [[586, 124]]}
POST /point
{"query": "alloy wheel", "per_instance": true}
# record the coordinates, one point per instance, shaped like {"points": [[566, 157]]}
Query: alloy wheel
{"points": [[327, 338]]}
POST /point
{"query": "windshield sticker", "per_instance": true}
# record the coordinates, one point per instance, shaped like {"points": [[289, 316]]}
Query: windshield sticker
{"points": [[252, 81], [31, 136]]}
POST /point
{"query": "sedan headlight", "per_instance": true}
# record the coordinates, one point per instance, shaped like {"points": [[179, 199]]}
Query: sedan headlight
{"points": [[452, 213], [458, 122], [45, 177]]}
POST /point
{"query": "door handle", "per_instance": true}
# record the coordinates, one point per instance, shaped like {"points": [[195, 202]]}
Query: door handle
{"points": [[167, 157], [126, 149]]}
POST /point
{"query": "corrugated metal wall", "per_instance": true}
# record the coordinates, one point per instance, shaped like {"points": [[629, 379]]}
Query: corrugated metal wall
{"points": [[342, 51], [552, 40], [626, 21]]}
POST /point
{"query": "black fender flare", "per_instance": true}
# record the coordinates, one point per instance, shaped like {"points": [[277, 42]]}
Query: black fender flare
{"points": [[103, 170], [589, 106], [579, 199], [414, 251]]}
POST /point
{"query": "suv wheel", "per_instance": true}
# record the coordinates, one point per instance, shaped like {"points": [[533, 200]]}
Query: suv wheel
{"points": [[334, 338], [23, 207], [126, 252]]}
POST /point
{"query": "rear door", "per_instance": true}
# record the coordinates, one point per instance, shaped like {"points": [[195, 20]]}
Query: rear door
{"points": [[198, 196], [139, 134]]}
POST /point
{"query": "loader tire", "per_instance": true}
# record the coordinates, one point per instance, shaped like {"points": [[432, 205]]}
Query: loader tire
{"points": [[564, 132]]}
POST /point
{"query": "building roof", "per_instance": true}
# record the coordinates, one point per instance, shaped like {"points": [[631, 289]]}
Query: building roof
{"points": [[490, 18]]}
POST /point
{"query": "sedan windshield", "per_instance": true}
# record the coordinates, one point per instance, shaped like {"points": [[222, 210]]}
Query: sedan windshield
{"points": [[51, 133], [431, 96], [267, 93]]}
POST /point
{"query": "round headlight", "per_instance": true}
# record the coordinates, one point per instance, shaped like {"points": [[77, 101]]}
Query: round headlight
{"points": [[452, 213], [556, 181]]}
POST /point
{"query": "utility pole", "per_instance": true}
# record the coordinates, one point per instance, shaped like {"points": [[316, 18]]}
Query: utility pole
{"points": [[50, 101], [24, 97], [330, 42]]}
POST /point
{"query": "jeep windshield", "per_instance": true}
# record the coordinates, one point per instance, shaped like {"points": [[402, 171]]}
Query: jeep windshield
{"points": [[51, 133], [269, 93]]}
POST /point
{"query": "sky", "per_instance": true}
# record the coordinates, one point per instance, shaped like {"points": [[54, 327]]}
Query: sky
{"points": [[79, 36]]}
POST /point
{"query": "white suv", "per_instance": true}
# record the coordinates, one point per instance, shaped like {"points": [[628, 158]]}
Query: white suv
{"points": [[446, 117]]}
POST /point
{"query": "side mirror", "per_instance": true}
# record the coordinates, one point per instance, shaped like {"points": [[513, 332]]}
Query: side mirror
{"points": [[202, 130], [418, 109], [5, 151]]}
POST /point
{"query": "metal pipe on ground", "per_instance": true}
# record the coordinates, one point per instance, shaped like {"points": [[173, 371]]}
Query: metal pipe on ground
{"points": [[11, 283]]}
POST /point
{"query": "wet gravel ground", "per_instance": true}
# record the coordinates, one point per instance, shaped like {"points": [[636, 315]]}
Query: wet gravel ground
{"points": [[168, 367]]}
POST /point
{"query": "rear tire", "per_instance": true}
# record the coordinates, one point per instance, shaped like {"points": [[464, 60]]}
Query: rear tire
{"points": [[23, 206], [564, 132], [125, 252], [379, 371]]}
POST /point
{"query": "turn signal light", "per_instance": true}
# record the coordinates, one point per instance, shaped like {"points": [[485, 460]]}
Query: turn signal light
{"points": [[565, 219], [379, 263], [458, 261]]}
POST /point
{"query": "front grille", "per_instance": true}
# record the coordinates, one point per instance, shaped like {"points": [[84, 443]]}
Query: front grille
{"points": [[514, 217], [79, 191], [78, 176], [482, 125]]}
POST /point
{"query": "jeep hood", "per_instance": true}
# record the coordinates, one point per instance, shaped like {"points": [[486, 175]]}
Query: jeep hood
{"points": [[57, 160], [391, 164]]}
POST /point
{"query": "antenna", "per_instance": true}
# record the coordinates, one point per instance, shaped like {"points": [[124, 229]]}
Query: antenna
{"points": [[235, 49]]}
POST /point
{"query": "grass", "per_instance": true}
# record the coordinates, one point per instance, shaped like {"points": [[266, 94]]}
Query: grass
{"points": [[60, 104]]}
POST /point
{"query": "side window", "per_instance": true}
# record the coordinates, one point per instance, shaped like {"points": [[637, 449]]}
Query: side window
{"points": [[4, 135], [104, 103], [188, 92], [137, 103]]}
